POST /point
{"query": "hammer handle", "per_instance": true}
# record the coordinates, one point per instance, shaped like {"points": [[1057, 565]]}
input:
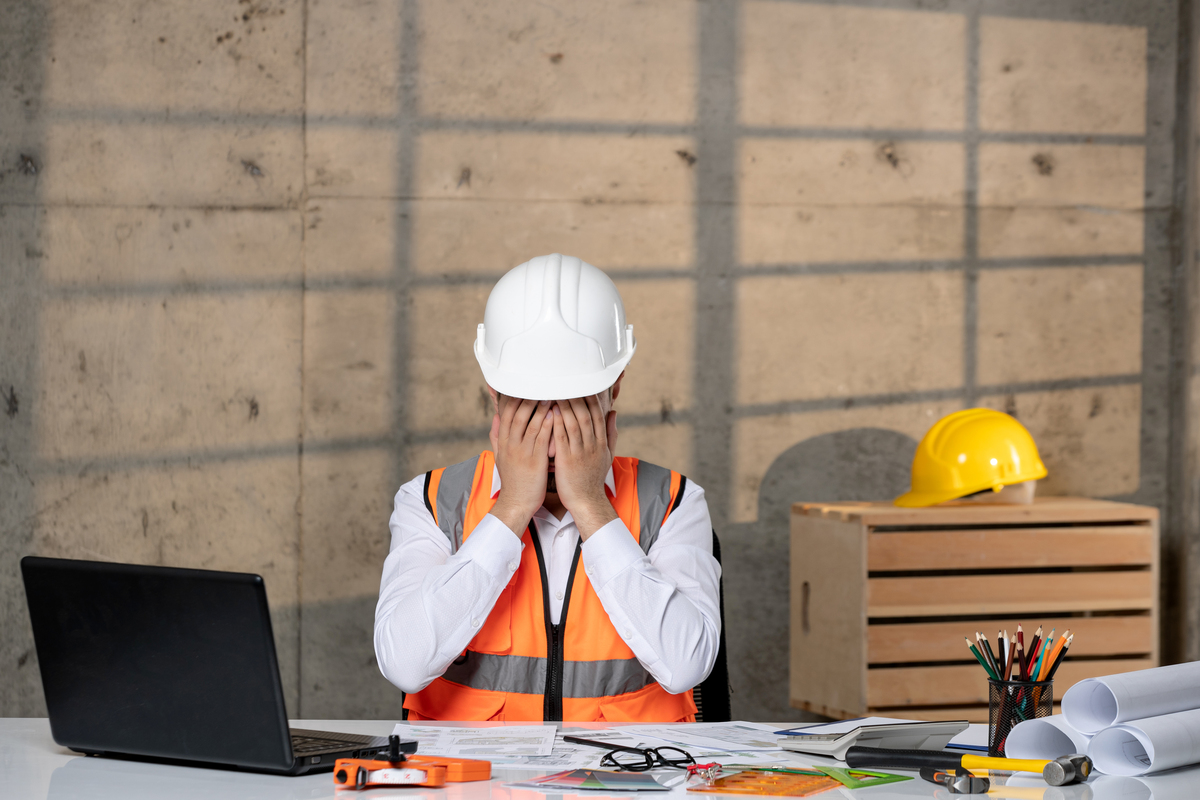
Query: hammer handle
{"points": [[1009, 764], [902, 759]]}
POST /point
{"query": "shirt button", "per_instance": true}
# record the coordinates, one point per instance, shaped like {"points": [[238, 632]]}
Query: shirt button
{"points": [[559, 595], [512, 565], [560, 533], [628, 634], [475, 624]]}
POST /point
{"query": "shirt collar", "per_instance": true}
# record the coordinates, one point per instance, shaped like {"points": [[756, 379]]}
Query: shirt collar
{"points": [[610, 482]]}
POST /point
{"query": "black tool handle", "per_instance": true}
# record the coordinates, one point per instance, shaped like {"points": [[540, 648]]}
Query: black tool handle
{"points": [[902, 759]]}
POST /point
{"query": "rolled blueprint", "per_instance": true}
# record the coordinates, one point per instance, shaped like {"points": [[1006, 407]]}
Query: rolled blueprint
{"points": [[1093, 704], [1153, 744], [1049, 737]]}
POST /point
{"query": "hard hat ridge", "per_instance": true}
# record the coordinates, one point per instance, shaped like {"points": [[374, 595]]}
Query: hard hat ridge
{"points": [[554, 328]]}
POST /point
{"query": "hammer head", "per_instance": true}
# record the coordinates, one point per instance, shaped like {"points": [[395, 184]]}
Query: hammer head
{"points": [[1064, 770]]}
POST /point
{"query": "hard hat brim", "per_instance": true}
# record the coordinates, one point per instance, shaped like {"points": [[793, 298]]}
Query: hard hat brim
{"points": [[557, 387], [915, 499]]}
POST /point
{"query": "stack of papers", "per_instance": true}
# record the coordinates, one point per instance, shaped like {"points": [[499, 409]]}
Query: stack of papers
{"points": [[541, 747], [832, 740]]}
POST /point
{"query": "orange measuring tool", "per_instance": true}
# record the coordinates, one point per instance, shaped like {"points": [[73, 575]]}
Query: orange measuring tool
{"points": [[397, 769], [773, 784]]}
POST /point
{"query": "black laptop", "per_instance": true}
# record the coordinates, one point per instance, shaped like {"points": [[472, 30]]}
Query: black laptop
{"points": [[175, 664]]}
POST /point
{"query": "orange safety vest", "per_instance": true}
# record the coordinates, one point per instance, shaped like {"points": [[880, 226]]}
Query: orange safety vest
{"points": [[519, 666]]}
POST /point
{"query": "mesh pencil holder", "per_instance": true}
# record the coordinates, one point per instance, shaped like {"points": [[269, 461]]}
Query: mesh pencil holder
{"points": [[1013, 702]]}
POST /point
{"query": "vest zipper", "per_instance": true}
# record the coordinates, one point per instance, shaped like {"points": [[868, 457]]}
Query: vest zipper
{"points": [[552, 695]]}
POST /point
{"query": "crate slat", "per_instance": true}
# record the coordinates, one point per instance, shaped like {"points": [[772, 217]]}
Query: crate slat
{"points": [[943, 641], [1043, 510], [1010, 594], [965, 684], [1011, 547]]}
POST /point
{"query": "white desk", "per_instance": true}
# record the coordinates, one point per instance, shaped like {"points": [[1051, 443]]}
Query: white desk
{"points": [[33, 767]]}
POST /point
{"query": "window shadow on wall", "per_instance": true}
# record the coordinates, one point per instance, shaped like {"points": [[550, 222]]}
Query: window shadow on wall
{"points": [[861, 464]]}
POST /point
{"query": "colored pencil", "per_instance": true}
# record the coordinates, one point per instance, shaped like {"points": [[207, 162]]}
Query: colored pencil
{"points": [[980, 659], [1021, 648], [1062, 654], [1041, 659], [987, 653], [1052, 647], [1053, 657], [1032, 652], [1008, 664]]}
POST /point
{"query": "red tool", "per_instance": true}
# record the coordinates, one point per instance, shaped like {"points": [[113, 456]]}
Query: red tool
{"points": [[396, 769]]}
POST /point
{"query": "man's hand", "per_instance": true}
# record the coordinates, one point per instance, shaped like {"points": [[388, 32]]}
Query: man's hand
{"points": [[584, 440], [521, 440]]}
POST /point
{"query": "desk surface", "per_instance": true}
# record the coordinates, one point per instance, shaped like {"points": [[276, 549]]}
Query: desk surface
{"points": [[33, 767]]}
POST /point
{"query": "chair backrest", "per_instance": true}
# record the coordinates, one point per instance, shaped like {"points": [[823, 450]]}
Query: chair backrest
{"points": [[712, 695]]}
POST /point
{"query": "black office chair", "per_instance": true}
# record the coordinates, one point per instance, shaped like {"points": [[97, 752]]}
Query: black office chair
{"points": [[712, 695]]}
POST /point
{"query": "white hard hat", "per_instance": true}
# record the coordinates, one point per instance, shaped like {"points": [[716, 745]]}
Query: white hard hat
{"points": [[554, 328]]}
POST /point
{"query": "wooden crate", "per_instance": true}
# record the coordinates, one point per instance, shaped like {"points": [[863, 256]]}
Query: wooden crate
{"points": [[881, 598]]}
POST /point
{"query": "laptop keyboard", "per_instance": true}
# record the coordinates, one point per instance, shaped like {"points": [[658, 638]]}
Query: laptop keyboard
{"points": [[307, 743]]}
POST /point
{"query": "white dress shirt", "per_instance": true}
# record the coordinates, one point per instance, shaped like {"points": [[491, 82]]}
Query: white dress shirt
{"points": [[432, 603]]}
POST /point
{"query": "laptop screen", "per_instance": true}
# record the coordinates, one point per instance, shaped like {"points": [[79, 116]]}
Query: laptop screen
{"points": [[156, 661]]}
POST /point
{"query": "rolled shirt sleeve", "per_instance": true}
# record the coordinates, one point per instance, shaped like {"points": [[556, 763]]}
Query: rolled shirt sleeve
{"points": [[432, 602], [664, 604]]}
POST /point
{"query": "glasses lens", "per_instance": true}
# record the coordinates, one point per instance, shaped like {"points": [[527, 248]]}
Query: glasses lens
{"points": [[674, 757], [632, 762]]}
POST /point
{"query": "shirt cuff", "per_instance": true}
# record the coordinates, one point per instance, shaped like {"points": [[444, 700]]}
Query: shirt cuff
{"points": [[609, 551], [493, 548]]}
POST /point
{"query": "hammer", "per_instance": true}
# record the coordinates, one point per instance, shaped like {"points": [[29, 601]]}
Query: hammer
{"points": [[1057, 772]]}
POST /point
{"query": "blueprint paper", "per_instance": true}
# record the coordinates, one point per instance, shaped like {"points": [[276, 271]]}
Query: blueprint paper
{"points": [[1153, 744], [1095, 703], [1049, 737]]}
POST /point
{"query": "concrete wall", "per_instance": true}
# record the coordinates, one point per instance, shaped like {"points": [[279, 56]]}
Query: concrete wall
{"points": [[244, 246]]}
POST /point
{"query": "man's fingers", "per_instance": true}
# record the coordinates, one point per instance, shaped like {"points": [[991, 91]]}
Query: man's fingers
{"points": [[521, 420], [571, 423], [494, 434], [598, 423], [534, 428], [583, 421], [507, 412], [545, 432], [610, 430]]}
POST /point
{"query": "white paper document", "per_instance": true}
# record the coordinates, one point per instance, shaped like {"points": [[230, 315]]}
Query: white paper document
{"points": [[728, 736], [846, 725], [1153, 744], [1095, 703], [1049, 737], [483, 743]]}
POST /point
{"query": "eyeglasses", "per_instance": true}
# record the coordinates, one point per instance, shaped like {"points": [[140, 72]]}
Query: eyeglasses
{"points": [[636, 759]]}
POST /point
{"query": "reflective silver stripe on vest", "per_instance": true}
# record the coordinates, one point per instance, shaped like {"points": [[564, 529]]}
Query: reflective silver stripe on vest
{"points": [[454, 491], [526, 675], [654, 498]]}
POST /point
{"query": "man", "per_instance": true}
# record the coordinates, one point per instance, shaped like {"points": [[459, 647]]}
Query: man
{"points": [[545, 579]]}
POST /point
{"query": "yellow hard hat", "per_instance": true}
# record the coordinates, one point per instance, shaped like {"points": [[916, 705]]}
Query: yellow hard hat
{"points": [[970, 451]]}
